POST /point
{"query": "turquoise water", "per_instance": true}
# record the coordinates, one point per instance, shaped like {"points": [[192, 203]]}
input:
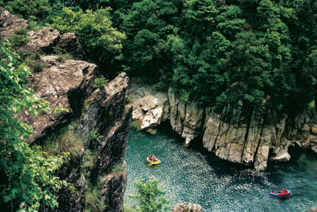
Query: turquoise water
{"points": [[193, 175]]}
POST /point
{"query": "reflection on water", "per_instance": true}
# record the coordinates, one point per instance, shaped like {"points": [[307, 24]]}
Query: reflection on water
{"points": [[192, 175]]}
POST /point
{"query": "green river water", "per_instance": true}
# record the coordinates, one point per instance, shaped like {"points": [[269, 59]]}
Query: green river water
{"points": [[196, 176]]}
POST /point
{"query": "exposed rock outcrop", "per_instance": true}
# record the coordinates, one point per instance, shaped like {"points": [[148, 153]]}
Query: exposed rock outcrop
{"points": [[238, 140], [187, 208], [56, 84], [41, 39], [99, 120], [9, 23], [148, 105]]}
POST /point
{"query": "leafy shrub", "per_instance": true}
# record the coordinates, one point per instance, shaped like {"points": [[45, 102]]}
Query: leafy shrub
{"points": [[150, 195], [29, 9], [95, 136], [62, 58], [115, 168], [100, 81], [26, 174], [18, 38], [93, 29], [35, 65]]}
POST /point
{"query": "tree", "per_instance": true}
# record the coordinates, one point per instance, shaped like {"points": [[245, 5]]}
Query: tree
{"points": [[29, 9], [26, 174], [150, 195], [95, 31]]}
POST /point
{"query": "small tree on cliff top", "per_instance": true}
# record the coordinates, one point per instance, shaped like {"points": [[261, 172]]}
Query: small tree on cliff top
{"points": [[150, 195]]}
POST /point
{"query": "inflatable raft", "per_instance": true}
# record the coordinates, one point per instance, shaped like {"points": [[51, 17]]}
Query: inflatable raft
{"points": [[157, 162], [281, 194]]}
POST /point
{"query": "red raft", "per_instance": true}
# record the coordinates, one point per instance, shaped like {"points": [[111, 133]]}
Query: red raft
{"points": [[281, 194]]}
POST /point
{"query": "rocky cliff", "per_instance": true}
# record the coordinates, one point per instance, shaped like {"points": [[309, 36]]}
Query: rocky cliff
{"points": [[251, 142], [96, 120]]}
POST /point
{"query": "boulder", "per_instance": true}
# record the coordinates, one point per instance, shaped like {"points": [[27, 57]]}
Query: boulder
{"points": [[152, 118], [69, 43], [9, 23], [284, 157], [41, 40], [181, 207], [149, 108]]}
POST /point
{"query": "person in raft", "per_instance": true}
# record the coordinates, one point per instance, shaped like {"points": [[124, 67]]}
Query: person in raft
{"points": [[152, 157], [283, 190]]}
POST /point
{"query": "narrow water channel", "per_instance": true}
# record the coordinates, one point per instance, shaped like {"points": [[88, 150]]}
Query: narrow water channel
{"points": [[193, 175]]}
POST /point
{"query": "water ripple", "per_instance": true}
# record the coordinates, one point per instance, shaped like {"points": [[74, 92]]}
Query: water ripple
{"points": [[188, 175]]}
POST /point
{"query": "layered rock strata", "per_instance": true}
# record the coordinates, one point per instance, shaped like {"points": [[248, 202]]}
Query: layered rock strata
{"points": [[252, 142]]}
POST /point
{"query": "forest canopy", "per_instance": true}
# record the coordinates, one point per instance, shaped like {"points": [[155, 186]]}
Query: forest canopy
{"points": [[220, 53]]}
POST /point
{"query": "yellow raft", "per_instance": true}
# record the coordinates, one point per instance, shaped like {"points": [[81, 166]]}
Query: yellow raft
{"points": [[157, 162]]}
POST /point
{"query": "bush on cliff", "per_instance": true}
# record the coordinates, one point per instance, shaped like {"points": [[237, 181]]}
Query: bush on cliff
{"points": [[26, 174], [94, 30]]}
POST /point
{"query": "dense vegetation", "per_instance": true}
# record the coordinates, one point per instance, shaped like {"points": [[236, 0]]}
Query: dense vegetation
{"points": [[259, 54], [250, 54], [253, 53], [26, 174]]}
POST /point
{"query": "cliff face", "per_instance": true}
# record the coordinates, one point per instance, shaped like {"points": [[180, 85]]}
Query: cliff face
{"points": [[96, 118], [251, 142]]}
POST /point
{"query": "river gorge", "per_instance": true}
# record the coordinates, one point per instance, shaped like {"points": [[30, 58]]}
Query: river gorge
{"points": [[196, 176]]}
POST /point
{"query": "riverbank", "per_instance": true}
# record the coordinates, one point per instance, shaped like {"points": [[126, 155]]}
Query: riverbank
{"points": [[193, 175], [251, 141]]}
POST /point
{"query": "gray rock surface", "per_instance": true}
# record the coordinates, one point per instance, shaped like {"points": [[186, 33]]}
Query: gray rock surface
{"points": [[235, 140], [9, 23], [102, 110], [189, 207], [41, 40]]}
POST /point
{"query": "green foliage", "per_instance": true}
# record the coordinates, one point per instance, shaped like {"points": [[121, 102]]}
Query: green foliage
{"points": [[64, 141], [35, 65], [150, 195], [136, 124], [18, 38], [94, 29], [217, 53], [29, 9], [94, 200], [115, 168], [63, 57], [88, 160], [27, 174], [95, 136], [100, 81]]}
